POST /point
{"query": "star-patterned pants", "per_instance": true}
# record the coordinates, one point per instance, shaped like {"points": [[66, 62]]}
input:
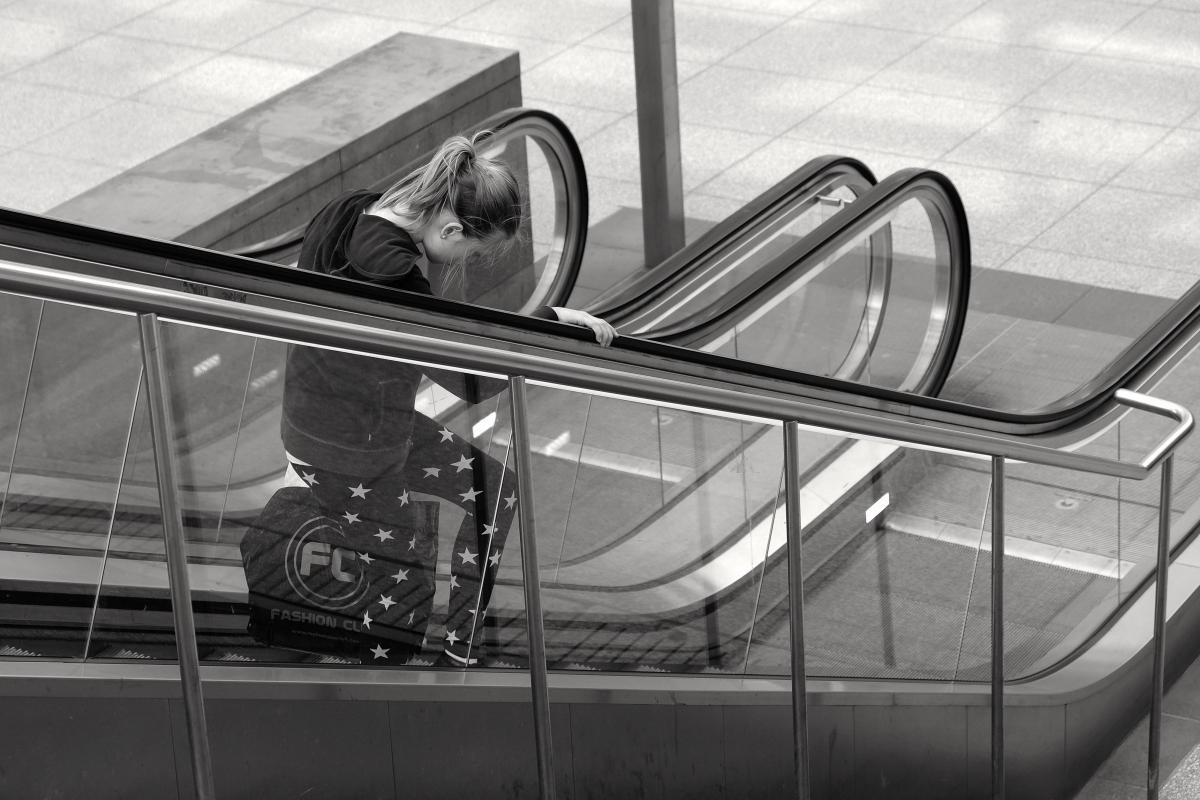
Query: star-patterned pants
{"points": [[442, 464]]}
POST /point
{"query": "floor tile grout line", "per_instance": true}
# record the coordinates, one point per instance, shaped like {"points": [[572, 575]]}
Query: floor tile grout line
{"points": [[132, 97], [1089, 51], [310, 10], [892, 28], [851, 87], [215, 54], [705, 69], [1018, 104], [778, 19], [570, 43], [1117, 262], [1108, 181], [723, 6]]}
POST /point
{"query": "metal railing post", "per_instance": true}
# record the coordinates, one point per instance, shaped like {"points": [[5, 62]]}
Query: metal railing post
{"points": [[997, 627], [1162, 565], [162, 427], [533, 592], [658, 128], [792, 473]]}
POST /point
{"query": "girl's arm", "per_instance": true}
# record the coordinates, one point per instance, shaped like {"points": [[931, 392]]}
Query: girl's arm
{"points": [[604, 332]]}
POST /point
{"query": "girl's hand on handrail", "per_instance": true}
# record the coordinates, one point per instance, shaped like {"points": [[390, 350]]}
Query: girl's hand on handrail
{"points": [[605, 333]]}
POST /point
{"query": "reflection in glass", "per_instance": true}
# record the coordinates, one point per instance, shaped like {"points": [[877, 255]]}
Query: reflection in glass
{"points": [[650, 525], [866, 311], [771, 241], [752, 255], [1138, 433], [68, 408], [1066, 557], [507, 280], [810, 324], [892, 537], [352, 553]]}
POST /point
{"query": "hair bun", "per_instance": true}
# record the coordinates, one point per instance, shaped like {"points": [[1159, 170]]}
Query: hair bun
{"points": [[459, 154]]}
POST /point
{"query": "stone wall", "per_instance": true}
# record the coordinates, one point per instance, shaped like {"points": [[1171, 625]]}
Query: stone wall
{"points": [[268, 169]]}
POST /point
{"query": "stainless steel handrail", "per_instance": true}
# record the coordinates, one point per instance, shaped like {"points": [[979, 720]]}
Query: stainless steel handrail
{"points": [[665, 382]]}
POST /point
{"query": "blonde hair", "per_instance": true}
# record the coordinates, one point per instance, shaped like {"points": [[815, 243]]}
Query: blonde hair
{"points": [[480, 191]]}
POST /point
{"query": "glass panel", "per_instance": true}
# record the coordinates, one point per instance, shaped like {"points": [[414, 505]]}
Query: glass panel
{"points": [[812, 323], [133, 607], [1135, 512], [1140, 432], [67, 421], [764, 250], [508, 280], [362, 543], [19, 320], [649, 531], [911, 247], [1064, 562], [217, 380], [773, 239], [891, 545], [867, 312], [254, 470]]}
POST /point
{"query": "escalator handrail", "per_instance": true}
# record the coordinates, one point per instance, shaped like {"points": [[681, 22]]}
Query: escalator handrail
{"points": [[667, 378], [829, 237], [196, 270], [631, 294], [190, 267]]}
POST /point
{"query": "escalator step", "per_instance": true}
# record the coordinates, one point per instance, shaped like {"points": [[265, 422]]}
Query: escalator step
{"points": [[10, 651], [125, 652]]}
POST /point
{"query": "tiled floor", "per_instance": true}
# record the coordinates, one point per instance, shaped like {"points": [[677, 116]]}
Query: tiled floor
{"points": [[1123, 775], [1071, 127]]}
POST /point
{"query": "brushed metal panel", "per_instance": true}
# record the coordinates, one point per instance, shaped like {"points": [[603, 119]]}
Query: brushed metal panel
{"points": [[698, 769], [1035, 752], [622, 751], [914, 752], [758, 752], [262, 749], [831, 752], [463, 750], [100, 748], [1097, 723], [564, 753]]}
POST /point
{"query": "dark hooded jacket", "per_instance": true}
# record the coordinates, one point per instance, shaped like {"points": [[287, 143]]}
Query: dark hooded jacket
{"points": [[350, 413]]}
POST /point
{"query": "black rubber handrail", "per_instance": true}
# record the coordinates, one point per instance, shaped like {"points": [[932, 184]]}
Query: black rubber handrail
{"points": [[238, 274], [627, 297], [826, 239], [185, 266]]}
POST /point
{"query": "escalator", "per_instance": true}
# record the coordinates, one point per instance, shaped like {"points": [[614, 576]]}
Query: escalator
{"points": [[780, 217], [710, 617], [790, 261]]}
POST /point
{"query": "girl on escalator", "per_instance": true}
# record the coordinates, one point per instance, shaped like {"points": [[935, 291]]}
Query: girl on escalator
{"points": [[354, 438]]}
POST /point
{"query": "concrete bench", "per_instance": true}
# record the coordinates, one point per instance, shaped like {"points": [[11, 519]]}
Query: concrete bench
{"points": [[274, 165]]}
